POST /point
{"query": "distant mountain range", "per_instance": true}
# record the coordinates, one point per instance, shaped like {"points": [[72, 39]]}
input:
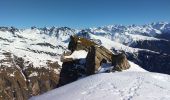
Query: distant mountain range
{"points": [[30, 59]]}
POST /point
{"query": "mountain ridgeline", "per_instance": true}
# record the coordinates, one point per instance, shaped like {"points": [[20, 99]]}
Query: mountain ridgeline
{"points": [[36, 60]]}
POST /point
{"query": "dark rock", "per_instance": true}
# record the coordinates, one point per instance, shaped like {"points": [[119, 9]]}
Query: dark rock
{"points": [[161, 46], [13, 84], [91, 61], [84, 34], [95, 58], [165, 35], [156, 57], [120, 62], [16, 81], [71, 71], [98, 55], [151, 61], [79, 43], [45, 80]]}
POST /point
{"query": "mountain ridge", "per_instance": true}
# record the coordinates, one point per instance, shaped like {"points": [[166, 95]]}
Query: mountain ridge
{"points": [[35, 53]]}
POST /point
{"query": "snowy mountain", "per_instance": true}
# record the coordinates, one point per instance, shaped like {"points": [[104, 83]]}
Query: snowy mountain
{"points": [[117, 86], [128, 34], [31, 60], [53, 41]]}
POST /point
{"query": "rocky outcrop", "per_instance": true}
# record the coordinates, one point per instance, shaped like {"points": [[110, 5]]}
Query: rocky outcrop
{"points": [[79, 43], [41, 80], [120, 62], [71, 71], [97, 55], [91, 61], [21, 82], [13, 84]]}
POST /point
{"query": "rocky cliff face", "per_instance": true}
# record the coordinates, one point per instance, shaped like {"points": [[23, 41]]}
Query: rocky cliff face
{"points": [[13, 84], [161, 46], [154, 57], [151, 61], [21, 83]]}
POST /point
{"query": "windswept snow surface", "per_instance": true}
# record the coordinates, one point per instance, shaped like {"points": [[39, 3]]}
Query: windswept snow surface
{"points": [[135, 68], [114, 86]]}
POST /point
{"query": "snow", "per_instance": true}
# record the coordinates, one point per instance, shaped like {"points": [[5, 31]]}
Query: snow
{"points": [[137, 37], [117, 86], [134, 68], [132, 84], [112, 44], [78, 54], [129, 34], [12, 75], [56, 71], [105, 67], [33, 74], [24, 44]]}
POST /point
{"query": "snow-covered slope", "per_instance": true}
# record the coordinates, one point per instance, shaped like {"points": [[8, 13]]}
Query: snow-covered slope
{"points": [[35, 45], [39, 45], [114, 86], [135, 68], [53, 41], [129, 34]]}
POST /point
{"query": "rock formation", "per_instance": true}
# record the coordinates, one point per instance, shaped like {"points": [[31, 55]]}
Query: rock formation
{"points": [[98, 55], [79, 43], [120, 62], [71, 71], [20, 83]]}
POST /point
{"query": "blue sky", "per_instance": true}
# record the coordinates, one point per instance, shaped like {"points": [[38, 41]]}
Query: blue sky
{"points": [[82, 13]]}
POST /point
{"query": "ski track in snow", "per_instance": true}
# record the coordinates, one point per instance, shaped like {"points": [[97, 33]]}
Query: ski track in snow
{"points": [[129, 93], [125, 94]]}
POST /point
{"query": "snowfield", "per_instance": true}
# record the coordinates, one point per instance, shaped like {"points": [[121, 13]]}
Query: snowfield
{"points": [[78, 54], [134, 67], [114, 86]]}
